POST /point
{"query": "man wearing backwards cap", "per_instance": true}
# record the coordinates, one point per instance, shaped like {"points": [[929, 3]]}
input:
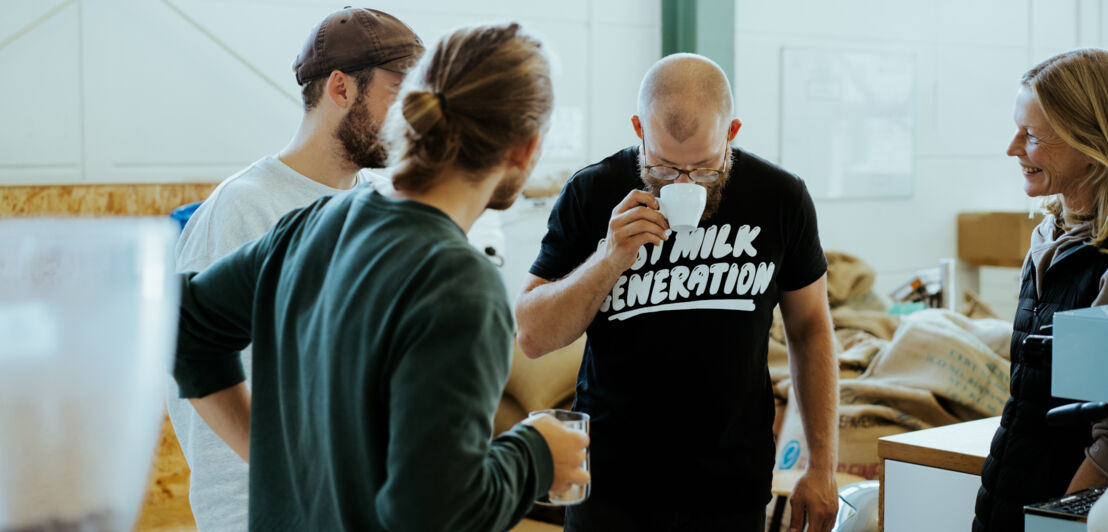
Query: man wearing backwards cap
{"points": [[349, 72]]}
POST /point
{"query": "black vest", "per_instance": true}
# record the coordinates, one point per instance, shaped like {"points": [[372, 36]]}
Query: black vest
{"points": [[1028, 460]]}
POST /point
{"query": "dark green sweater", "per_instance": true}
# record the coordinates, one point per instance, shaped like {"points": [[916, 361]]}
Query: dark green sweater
{"points": [[382, 342]]}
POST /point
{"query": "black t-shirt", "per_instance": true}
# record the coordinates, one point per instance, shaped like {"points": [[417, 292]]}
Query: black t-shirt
{"points": [[674, 374]]}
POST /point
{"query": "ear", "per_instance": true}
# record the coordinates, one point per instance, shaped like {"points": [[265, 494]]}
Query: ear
{"points": [[733, 129], [637, 124], [340, 89], [520, 156]]}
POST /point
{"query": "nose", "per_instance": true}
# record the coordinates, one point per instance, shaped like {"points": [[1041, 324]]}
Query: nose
{"points": [[683, 178], [1015, 148]]}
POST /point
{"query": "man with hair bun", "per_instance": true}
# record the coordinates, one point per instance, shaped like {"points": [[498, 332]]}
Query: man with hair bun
{"points": [[381, 338], [674, 375], [348, 81]]}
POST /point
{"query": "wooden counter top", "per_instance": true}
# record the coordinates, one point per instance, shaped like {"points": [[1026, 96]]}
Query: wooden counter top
{"points": [[959, 447]]}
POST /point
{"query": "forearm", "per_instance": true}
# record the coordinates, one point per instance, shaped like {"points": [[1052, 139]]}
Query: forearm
{"points": [[1094, 469], [553, 315], [814, 373], [227, 413], [443, 472], [1087, 476]]}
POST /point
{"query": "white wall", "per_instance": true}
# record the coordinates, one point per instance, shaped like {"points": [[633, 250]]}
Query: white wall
{"points": [[192, 90], [101, 91], [187, 90], [969, 56]]}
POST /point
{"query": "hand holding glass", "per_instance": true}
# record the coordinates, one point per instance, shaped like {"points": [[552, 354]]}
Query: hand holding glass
{"points": [[563, 442]]}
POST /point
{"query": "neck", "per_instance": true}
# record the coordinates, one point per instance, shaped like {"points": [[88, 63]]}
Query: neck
{"points": [[316, 153], [1076, 206], [456, 193]]}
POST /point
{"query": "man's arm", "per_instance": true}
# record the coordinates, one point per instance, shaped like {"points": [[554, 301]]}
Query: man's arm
{"points": [[227, 413], [214, 326], [551, 314], [443, 473], [814, 372]]}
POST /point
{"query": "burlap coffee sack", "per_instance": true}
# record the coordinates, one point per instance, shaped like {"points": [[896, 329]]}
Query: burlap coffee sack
{"points": [[847, 277], [853, 361], [974, 308], [935, 371], [940, 351], [778, 361], [860, 425], [860, 354], [877, 323], [866, 412], [541, 383]]}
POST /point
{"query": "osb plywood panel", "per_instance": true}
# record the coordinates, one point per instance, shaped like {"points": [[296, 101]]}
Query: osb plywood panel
{"points": [[100, 200], [166, 506]]}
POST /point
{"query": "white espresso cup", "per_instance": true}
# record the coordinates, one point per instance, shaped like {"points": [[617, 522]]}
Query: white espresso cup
{"points": [[683, 204]]}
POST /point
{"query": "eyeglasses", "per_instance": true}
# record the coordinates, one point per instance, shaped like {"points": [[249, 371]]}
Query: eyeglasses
{"points": [[669, 173]]}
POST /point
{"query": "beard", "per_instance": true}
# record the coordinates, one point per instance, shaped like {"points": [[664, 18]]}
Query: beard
{"points": [[507, 190], [715, 188], [360, 136]]}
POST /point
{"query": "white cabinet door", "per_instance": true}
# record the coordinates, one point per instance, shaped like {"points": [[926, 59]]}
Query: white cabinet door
{"points": [[925, 499]]}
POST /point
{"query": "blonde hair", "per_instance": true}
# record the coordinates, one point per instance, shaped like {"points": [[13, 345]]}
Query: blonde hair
{"points": [[483, 91], [1072, 89]]}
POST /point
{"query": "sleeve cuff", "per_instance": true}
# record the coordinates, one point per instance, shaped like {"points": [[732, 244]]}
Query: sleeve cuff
{"points": [[216, 374], [808, 279], [540, 451], [1098, 455]]}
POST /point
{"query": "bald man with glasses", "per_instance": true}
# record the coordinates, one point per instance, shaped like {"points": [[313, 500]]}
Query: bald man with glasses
{"points": [[675, 374]]}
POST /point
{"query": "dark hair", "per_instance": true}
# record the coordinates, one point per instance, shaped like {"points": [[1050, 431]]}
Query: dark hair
{"points": [[483, 91], [312, 91]]}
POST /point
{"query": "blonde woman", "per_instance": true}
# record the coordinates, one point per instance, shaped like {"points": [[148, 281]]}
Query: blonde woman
{"points": [[381, 338], [1061, 144]]}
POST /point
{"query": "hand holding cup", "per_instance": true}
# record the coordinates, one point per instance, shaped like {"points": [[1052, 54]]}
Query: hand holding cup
{"points": [[566, 433], [683, 204]]}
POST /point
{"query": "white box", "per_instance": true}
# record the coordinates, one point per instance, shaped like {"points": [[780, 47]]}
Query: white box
{"points": [[1080, 355]]}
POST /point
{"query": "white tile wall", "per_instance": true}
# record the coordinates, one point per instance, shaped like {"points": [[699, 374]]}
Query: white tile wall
{"points": [[41, 109], [969, 57], [176, 90], [123, 90]]}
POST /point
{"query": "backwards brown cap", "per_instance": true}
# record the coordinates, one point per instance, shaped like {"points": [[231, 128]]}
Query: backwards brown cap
{"points": [[357, 38]]}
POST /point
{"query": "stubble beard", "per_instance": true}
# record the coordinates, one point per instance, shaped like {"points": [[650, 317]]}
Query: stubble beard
{"points": [[506, 192], [360, 136]]}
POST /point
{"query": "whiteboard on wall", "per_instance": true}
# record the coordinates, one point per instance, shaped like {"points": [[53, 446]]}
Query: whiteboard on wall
{"points": [[848, 121]]}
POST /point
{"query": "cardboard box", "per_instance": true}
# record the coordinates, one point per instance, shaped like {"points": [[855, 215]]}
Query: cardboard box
{"points": [[995, 238], [1080, 354]]}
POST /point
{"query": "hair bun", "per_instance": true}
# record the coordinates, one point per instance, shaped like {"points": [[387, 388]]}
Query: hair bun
{"points": [[423, 110]]}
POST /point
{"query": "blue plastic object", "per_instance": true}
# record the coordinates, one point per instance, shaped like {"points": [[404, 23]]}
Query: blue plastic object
{"points": [[906, 308], [184, 212]]}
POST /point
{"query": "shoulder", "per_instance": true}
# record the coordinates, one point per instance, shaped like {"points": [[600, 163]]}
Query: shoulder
{"points": [[755, 170], [245, 182], [422, 243], [617, 171], [473, 271], [226, 219], [603, 184], [237, 198]]}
